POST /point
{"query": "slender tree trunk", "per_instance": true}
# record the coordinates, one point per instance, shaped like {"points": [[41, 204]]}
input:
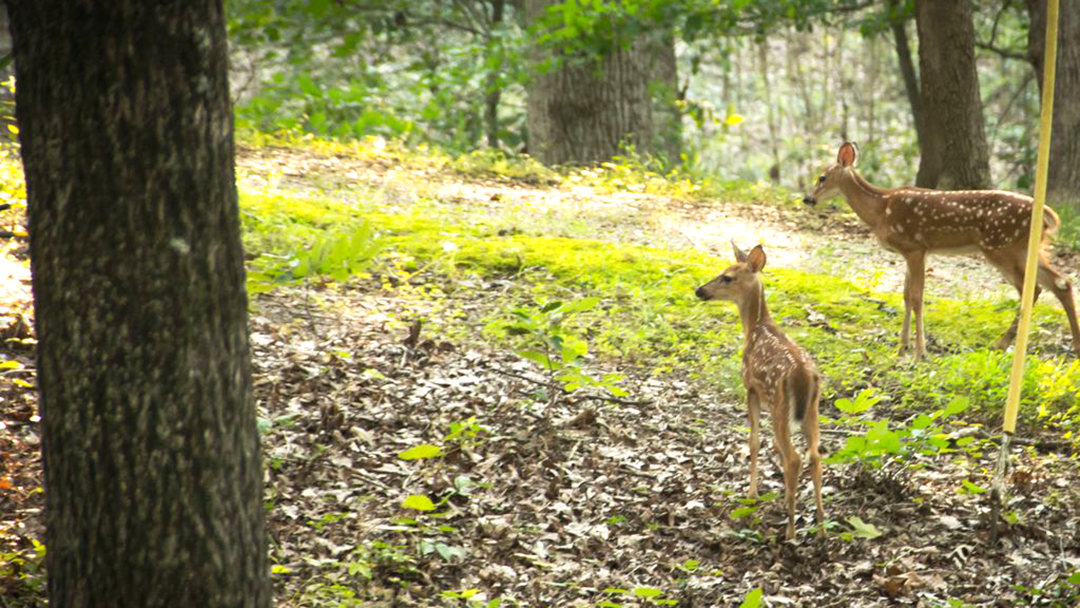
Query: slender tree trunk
{"points": [[797, 50], [494, 89], [585, 111], [898, 24], [870, 86], [770, 111], [1063, 178], [954, 151], [153, 481]]}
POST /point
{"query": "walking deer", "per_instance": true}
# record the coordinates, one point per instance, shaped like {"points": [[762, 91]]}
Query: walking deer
{"points": [[916, 221], [776, 372]]}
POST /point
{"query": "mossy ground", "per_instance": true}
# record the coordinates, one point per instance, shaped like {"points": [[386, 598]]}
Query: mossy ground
{"points": [[649, 317]]}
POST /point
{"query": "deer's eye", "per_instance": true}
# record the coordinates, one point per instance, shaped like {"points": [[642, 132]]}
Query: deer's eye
{"points": [[726, 279], [821, 180]]}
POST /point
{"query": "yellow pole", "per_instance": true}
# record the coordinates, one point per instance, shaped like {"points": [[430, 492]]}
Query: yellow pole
{"points": [[1012, 402]]}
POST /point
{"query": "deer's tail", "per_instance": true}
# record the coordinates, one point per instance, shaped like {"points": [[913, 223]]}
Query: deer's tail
{"points": [[803, 388]]}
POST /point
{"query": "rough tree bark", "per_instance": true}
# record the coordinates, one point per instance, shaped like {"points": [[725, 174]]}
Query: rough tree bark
{"points": [[1063, 178], [954, 150], [152, 469], [585, 111]]}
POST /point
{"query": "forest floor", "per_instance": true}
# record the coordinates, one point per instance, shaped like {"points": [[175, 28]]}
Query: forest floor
{"points": [[544, 498]]}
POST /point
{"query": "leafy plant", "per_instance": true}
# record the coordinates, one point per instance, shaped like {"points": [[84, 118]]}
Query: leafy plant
{"points": [[24, 570], [549, 341], [882, 441], [1061, 593], [465, 432], [336, 255]]}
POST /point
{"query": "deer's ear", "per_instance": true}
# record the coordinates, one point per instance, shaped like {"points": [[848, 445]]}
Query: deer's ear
{"points": [[848, 154], [740, 255], [756, 258]]}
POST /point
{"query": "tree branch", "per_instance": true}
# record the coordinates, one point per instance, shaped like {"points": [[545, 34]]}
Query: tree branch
{"points": [[1004, 53]]}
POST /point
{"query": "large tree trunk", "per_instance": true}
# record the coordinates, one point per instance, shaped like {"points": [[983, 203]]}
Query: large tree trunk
{"points": [[585, 111], [954, 150], [1063, 178], [153, 481]]}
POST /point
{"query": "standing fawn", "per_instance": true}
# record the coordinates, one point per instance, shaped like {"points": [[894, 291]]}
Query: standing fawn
{"points": [[776, 372], [916, 221]]}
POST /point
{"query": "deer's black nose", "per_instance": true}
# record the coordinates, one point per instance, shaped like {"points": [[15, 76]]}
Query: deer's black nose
{"points": [[701, 293], [809, 200]]}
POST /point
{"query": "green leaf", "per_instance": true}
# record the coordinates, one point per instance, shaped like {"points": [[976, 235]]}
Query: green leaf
{"points": [[580, 305], [418, 502], [1074, 578], [550, 306], [647, 592], [957, 405], [573, 348], [743, 512], [308, 86], [536, 357], [448, 553], [863, 529], [752, 600], [421, 451], [263, 425], [921, 422], [972, 488]]}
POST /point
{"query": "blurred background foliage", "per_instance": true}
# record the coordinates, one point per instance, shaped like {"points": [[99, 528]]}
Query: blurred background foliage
{"points": [[765, 88]]}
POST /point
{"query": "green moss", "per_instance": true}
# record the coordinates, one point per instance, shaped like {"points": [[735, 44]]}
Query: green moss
{"points": [[649, 316]]}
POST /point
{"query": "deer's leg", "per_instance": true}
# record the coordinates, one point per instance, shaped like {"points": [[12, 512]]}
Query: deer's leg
{"points": [[905, 331], [754, 407], [913, 302], [1050, 278], [1012, 268], [792, 466], [781, 417], [813, 436]]}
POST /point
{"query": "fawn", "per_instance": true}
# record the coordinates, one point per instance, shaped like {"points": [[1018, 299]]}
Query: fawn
{"points": [[916, 221], [776, 372]]}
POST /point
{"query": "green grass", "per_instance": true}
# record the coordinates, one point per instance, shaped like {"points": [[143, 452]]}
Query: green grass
{"points": [[649, 317]]}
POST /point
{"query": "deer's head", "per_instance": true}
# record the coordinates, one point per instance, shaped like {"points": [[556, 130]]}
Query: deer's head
{"points": [[738, 280], [828, 183]]}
